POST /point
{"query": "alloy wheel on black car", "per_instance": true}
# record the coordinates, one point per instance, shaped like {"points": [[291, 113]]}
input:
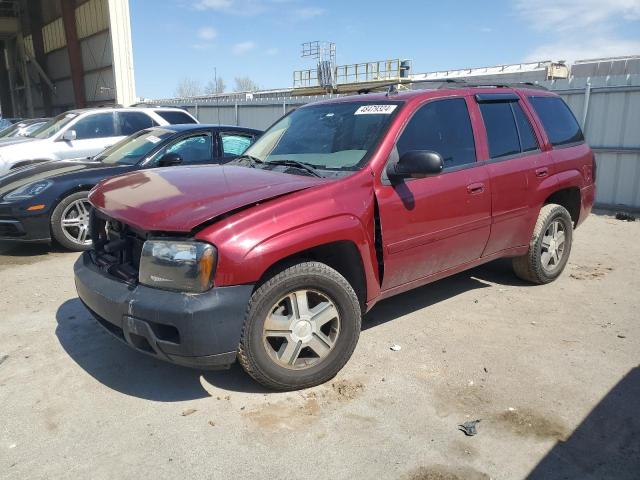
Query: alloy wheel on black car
{"points": [[70, 222]]}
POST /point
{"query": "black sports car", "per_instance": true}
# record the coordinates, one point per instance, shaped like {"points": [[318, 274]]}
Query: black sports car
{"points": [[48, 200]]}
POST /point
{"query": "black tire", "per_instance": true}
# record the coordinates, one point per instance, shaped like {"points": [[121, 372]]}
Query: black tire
{"points": [[57, 232], [314, 276], [530, 267]]}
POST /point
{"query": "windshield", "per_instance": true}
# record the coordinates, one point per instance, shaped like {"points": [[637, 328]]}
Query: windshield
{"points": [[135, 147], [26, 131], [11, 131], [53, 126], [333, 136]]}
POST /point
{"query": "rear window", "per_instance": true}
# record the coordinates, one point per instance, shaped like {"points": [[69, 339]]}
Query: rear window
{"points": [[174, 117], [132, 122], [558, 121]]}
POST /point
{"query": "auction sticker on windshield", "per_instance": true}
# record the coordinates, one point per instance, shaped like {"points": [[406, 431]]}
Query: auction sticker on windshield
{"points": [[153, 139], [375, 110]]}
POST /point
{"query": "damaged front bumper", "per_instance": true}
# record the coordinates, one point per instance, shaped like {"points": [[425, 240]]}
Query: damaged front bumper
{"points": [[195, 330]]}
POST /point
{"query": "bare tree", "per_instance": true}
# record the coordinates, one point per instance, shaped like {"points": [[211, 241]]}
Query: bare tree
{"points": [[215, 85], [245, 84], [188, 87]]}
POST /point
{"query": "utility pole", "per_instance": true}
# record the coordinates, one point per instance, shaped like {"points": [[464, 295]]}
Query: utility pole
{"points": [[215, 80]]}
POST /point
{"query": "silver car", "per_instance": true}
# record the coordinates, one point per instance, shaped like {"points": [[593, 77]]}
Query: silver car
{"points": [[80, 134]]}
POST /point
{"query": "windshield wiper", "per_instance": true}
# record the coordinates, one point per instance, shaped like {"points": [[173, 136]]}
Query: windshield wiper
{"points": [[295, 163], [252, 160]]}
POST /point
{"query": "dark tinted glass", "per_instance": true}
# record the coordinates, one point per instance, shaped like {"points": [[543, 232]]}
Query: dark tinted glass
{"points": [[98, 125], [502, 133], [442, 126], [174, 117], [132, 122], [558, 121], [528, 140]]}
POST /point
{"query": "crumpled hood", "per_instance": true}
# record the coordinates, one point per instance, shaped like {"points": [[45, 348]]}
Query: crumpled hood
{"points": [[178, 199]]}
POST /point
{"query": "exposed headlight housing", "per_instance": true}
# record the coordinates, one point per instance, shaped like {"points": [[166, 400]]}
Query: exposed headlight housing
{"points": [[29, 191], [185, 266]]}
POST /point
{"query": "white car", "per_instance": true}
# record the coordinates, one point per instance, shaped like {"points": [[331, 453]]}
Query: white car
{"points": [[81, 134]]}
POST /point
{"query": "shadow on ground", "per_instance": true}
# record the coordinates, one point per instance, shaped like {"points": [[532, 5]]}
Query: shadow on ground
{"points": [[19, 249], [606, 444], [498, 272], [121, 368]]}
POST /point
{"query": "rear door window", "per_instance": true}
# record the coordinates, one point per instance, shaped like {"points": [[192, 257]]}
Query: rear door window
{"points": [[132, 122], [561, 126], [502, 132], [441, 126], [528, 140], [509, 131], [175, 117]]}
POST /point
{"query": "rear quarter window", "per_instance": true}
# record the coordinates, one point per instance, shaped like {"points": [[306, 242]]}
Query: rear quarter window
{"points": [[557, 119], [175, 117]]}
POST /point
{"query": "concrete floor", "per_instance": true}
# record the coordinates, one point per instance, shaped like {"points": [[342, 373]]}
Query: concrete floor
{"points": [[552, 371]]}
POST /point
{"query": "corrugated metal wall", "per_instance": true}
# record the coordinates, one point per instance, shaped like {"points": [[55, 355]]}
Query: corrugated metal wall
{"points": [[253, 113], [104, 31], [612, 126]]}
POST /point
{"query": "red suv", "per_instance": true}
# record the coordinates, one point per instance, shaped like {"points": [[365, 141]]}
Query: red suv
{"points": [[274, 257]]}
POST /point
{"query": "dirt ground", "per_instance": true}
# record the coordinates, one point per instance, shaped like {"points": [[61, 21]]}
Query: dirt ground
{"points": [[551, 371]]}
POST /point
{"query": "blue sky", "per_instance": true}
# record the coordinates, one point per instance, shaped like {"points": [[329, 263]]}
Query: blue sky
{"points": [[173, 39]]}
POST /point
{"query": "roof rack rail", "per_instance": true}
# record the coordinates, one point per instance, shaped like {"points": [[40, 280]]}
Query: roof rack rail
{"points": [[451, 83], [504, 85], [405, 84]]}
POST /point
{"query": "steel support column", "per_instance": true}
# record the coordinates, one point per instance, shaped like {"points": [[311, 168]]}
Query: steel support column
{"points": [[34, 18], [74, 52], [6, 97]]}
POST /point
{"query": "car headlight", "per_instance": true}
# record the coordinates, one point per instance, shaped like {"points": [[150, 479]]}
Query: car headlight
{"points": [[28, 191], [177, 265]]}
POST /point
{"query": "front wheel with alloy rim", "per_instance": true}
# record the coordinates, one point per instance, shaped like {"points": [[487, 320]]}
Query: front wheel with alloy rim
{"points": [[70, 222], [302, 326], [549, 247]]}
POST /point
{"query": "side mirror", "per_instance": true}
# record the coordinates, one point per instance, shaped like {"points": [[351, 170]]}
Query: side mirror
{"points": [[170, 160], [416, 164], [69, 136]]}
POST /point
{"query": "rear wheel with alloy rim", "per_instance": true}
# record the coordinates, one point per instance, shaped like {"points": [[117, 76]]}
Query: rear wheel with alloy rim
{"points": [[549, 247], [302, 326], [70, 222]]}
